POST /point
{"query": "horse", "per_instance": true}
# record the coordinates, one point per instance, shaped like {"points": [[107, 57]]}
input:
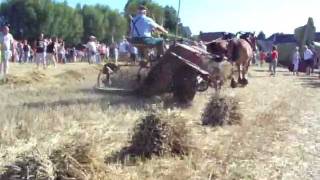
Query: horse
{"points": [[238, 51]]}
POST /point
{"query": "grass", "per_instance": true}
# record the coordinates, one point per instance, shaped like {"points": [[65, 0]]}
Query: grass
{"points": [[61, 121]]}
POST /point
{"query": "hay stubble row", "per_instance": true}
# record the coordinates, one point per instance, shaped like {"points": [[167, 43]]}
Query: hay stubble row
{"points": [[71, 126]]}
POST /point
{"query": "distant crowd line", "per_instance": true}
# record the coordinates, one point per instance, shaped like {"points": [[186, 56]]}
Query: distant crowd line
{"points": [[46, 51], [50, 51]]}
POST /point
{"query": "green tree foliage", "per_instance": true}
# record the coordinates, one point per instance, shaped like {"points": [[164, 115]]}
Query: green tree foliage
{"points": [[104, 23], [29, 18], [171, 19], [94, 22]]}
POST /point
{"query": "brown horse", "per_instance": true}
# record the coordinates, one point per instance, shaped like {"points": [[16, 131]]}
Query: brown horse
{"points": [[238, 51]]}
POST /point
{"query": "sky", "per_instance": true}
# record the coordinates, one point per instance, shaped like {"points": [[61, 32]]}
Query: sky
{"points": [[269, 16]]}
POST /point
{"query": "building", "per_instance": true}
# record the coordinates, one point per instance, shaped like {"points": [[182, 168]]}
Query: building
{"points": [[317, 37], [210, 36], [186, 31], [280, 38]]}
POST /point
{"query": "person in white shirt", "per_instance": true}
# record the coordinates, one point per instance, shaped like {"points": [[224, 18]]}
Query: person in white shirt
{"points": [[40, 52], [116, 54], [133, 53], [107, 52], [202, 45], [61, 52], [6, 41], [141, 30], [295, 61], [92, 49], [308, 59], [124, 48], [98, 57]]}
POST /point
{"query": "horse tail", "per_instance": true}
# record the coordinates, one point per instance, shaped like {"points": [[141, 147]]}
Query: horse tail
{"points": [[234, 50]]}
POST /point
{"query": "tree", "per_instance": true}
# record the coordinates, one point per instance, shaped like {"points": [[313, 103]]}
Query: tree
{"points": [[30, 18], [103, 23], [170, 19], [261, 36]]}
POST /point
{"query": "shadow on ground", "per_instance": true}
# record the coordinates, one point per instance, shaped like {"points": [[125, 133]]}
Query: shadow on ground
{"points": [[310, 82]]}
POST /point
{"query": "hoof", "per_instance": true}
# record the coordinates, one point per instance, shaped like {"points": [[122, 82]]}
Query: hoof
{"points": [[239, 80], [245, 81], [138, 78], [233, 83]]}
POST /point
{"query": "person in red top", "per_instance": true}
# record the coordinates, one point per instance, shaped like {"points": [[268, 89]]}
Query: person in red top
{"points": [[262, 57], [274, 61]]}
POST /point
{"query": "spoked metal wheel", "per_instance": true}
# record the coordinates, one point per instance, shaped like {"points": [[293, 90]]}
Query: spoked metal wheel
{"points": [[185, 85], [202, 85]]}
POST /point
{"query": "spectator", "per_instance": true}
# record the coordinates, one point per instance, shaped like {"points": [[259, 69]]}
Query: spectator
{"points": [[40, 52], [51, 52], [103, 51], [116, 53], [308, 59], [315, 58], [254, 58], [26, 51], [269, 60], [20, 51], [92, 49], [274, 60], [124, 48], [133, 53], [295, 61], [262, 57], [6, 41], [107, 52], [61, 52], [15, 54], [98, 57], [73, 54]]}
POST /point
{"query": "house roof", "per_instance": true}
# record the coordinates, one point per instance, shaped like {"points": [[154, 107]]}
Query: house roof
{"points": [[317, 37], [210, 36], [278, 38]]}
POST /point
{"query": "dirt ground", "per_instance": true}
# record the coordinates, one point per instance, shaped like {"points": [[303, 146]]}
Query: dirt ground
{"points": [[279, 138]]}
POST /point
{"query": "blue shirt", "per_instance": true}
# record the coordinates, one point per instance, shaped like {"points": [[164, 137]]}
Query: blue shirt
{"points": [[142, 26]]}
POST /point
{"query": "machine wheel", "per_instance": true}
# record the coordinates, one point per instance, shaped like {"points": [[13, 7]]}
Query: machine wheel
{"points": [[202, 85], [184, 85]]}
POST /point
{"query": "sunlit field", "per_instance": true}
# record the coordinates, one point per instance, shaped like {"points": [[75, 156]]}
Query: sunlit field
{"points": [[55, 125]]}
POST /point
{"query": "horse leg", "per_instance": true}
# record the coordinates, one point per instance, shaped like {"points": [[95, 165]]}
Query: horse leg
{"points": [[240, 69], [233, 82], [139, 75], [244, 74]]}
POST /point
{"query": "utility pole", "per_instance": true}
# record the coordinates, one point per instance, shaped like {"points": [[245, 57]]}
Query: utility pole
{"points": [[178, 21]]}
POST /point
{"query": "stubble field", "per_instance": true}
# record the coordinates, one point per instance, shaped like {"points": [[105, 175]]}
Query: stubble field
{"points": [[53, 121]]}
